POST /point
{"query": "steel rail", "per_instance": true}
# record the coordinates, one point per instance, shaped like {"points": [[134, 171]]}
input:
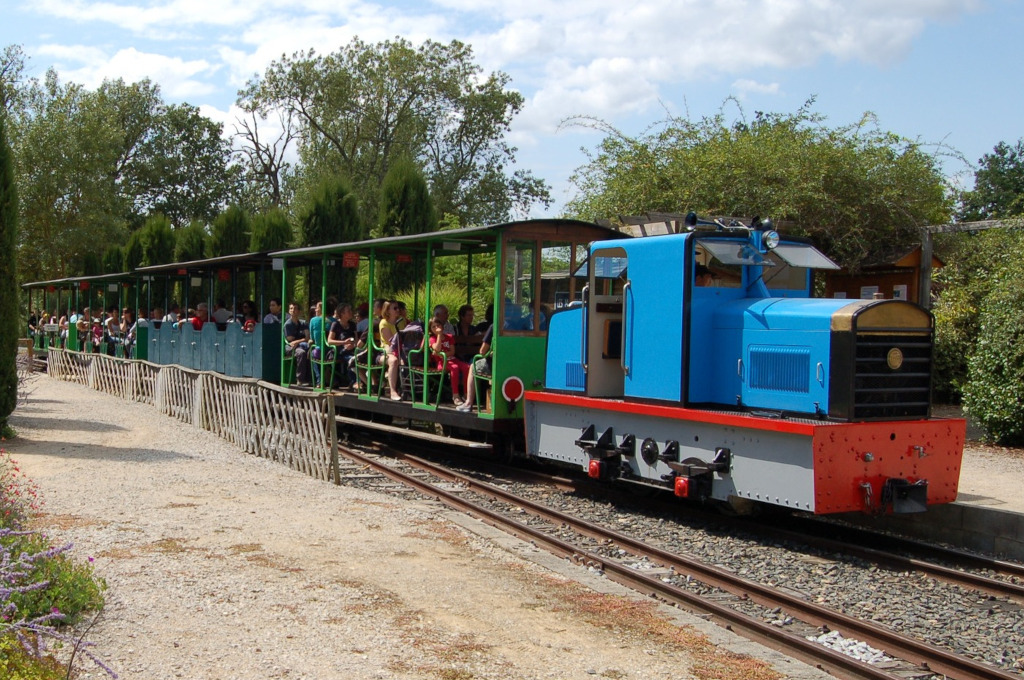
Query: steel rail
{"points": [[955, 576], [935, 659]]}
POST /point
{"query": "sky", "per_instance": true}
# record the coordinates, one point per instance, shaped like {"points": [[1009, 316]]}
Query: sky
{"points": [[946, 73]]}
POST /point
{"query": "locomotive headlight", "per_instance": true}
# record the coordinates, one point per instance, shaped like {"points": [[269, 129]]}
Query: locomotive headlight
{"points": [[770, 239]]}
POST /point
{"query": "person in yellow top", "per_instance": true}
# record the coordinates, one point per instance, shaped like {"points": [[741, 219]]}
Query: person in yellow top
{"points": [[389, 341]]}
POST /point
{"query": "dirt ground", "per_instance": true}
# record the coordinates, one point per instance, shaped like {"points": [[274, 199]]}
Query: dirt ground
{"points": [[222, 565]]}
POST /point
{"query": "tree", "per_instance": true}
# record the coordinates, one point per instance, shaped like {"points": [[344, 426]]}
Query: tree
{"points": [[190, 242], [331, 216], [94, 164], [359, 109], [12, 69], [113, 260], [10, 312], [405, 208], [993, 392], [270, 231], [230, 234], [263, 159], [850, 187], [998, 185], [67, 149], [183, 169]]}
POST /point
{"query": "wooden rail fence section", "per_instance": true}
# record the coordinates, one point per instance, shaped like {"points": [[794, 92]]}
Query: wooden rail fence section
{"points": [[291, 427]]}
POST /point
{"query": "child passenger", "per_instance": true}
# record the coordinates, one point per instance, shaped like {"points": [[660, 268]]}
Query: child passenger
{"points": [[441, 342]]}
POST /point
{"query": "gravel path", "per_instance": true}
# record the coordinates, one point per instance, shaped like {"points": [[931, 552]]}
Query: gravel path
{"points": [[222, 565]]}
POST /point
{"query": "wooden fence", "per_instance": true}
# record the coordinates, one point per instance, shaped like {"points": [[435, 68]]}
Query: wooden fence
{"points": [[292, 427]]}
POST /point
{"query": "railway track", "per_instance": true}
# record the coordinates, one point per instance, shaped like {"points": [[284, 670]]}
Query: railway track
{"points": [[738, 603]]}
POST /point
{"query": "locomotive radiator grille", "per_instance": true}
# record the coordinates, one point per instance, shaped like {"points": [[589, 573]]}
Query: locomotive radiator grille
{"points": [[892, 375]]}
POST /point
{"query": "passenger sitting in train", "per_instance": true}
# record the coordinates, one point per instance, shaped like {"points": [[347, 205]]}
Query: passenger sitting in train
{"points": [[403, 319], [250, 320], [97, 335], [442, 345], [481, 366], [467, 337], [441, 314], [274, 315], [129, 329], [221, 314], [201, 316], [248, 312], [364, 328], [390, 340], [172, 314], [112, 335], [316, 334], [296, 335], [342, 340]]}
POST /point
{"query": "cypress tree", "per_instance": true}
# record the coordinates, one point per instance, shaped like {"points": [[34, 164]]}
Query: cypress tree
{"points": [[10, 313], [331, 216], [405, 208]]}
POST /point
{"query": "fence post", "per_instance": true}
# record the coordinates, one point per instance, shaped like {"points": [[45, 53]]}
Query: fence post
{"points": [[332, 433]]}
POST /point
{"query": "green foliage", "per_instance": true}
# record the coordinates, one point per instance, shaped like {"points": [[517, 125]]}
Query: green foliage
{"points": [[183, 169], [95, 163], [133, 251], [230, 234], [998, 185], [12, 68], [405, 208], [18, 664], [67, 150], [850, 187], [113, 260], [72, 588], [979, 302], [10, 313], [157, 241], [359, 109], [190, 242], [450, 294], [331, 216], [270, 231], [994, 393]]}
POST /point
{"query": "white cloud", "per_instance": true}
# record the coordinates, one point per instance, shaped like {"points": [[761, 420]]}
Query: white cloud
{"points": [[744, 86], [91, 66], [600, 57]]}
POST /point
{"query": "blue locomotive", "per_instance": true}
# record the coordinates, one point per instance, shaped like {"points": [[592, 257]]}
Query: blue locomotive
{"points": [[699, 362]]}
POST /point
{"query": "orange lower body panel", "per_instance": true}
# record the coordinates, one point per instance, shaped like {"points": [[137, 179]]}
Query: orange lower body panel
{"points": [[853, 461]]}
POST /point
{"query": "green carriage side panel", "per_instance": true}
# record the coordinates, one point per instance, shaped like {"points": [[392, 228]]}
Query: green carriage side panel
{"points": [[142, 337], [269, 362], [521, 357]]}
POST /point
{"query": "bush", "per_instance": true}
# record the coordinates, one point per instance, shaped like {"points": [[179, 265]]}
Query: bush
{"points": [[41, 587], [18, 664], [450, 295], [71, 587], [994, 391]]}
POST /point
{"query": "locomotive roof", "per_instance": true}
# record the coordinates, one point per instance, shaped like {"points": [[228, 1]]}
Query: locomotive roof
{"points": [[469, 235]]}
